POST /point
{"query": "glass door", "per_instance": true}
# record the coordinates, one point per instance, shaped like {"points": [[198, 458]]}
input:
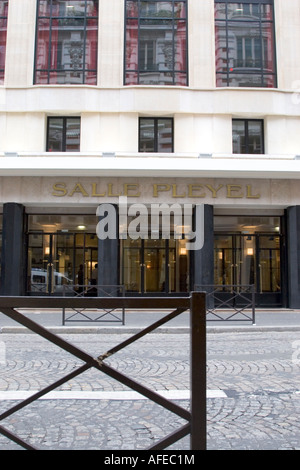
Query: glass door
{"points": [[132, 266], [154, 272], [48, 263], [252, 259], [269, 269], [56, 260], [154, 266]]}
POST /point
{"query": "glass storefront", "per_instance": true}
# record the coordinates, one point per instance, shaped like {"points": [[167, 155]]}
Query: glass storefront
{"points": [[62, 251], [155, 262], [62, 255], [155, 266], [248, 252]]}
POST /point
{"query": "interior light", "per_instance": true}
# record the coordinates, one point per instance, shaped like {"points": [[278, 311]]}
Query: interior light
{"points": [[81, 227]]}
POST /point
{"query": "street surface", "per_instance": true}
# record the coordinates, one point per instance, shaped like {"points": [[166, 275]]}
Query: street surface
{"points": [[253, 383]]}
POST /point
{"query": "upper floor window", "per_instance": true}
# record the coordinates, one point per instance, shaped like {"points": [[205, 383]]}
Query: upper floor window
{"points": [[66, 42], [156, 135], [63, 134], [245, 43], [3, 33], [248, 136], [156, 42]]}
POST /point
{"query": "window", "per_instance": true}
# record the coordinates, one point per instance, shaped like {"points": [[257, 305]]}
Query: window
{"points": [[66, 42], [63, 134], [156, 42], [248, 136], [3, 33], [245, 44], [156, 135]]}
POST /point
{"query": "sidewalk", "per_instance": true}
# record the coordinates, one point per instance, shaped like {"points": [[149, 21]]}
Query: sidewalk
{"points": [[265, 320]]}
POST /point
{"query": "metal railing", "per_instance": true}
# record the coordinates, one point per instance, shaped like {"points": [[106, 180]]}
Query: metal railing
{"points": [[195, 305], [234, 302], [78, 315]]}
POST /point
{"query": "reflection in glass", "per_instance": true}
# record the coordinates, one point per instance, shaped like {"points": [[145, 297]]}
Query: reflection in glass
{"points": [[67, 37], [247, 136], [63, 134], [156, 135], [245, 51], [57, 246], [156, 43], [3, 35]]}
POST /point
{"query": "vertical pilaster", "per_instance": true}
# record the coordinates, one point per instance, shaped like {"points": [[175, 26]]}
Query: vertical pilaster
{"points": [[13, 268], [293, 255], [108, 258], [203, 259]]}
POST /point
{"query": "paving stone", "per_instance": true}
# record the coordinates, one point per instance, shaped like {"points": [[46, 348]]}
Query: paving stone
{"points": [[260, 379]]}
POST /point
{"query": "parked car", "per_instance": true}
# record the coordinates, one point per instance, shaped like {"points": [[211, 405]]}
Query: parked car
{"points": [[39, 281]]}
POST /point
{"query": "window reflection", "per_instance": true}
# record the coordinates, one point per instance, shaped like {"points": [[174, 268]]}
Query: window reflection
{"points": [[156, 135], [63, 134], [67, 36], [156, 43], [3, 34], [245, 51], [247, 136]]}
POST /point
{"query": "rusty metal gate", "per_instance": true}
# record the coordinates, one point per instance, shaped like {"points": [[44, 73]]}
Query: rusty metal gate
{"points": [[195, 305]]}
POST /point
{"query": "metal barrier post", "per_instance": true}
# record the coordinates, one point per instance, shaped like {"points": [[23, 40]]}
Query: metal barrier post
{"points": [[195, 418], [198, 371], [253, 305]]}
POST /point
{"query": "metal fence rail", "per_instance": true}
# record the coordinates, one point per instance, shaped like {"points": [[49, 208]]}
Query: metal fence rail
{"points": [[195, 305], [80, 314], [234, 302]]}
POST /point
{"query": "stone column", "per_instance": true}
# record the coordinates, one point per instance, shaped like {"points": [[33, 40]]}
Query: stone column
{"points": [[108, 258], [293, 256], [13, 267], [203, 260]]}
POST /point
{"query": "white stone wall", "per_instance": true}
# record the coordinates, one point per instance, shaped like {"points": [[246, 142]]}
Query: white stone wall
{"points": [[109, 111]]}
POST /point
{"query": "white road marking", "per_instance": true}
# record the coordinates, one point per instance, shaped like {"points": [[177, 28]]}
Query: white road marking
{"points": [[103, 395]]}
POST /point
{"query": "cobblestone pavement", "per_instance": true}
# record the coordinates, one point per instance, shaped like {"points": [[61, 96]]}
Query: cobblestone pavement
{"points": [[258, 373]]}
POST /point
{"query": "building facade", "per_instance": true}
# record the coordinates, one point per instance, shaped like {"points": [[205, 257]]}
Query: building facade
{"points": [[187, 102]]}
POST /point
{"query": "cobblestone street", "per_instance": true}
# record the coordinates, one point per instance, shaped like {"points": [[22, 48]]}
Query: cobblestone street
{"points": [[253, 391]]}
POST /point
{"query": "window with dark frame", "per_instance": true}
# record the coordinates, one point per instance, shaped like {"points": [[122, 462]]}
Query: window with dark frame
{"points": [[156, 135], [66, 42], [3, 35], [245, 44], [63, 134], [248, 136], [156, 42]]}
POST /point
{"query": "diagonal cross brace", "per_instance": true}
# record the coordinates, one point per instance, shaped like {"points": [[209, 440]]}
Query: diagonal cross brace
{"points": [[98, 363]]}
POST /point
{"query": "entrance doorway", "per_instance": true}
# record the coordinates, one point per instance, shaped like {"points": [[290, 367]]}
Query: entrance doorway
{"points": [[155, 266], [56, 260], [250, 259]]}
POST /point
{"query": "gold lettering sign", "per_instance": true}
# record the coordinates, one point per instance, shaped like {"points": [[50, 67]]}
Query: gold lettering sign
{"points": [[234, 191], [159, 190]]}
